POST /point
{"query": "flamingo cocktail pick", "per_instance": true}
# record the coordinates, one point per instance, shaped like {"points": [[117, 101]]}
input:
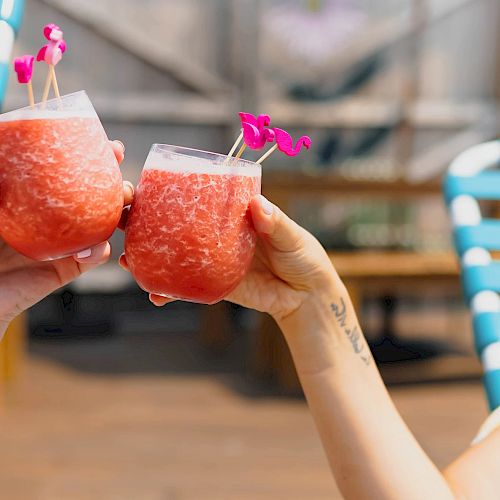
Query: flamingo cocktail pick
{"points": [[52, 53], [23, 66], [254, 133], [284, 143]]}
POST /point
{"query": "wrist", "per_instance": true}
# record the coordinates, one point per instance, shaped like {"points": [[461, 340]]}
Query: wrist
{"points": [[324, 332], [315, 306]]}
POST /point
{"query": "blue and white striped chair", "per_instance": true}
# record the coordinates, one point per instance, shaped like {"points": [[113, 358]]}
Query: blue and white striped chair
{"points": [[469, 180], [10, 20]]}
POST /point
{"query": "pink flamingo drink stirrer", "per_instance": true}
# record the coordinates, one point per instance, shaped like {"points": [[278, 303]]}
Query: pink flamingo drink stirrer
{"points": [[23, 66], [253, 132], [254, 138], [284, 143], [52, 53]]}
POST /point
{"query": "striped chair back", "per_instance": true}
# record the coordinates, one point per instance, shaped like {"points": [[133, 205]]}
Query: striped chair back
{"points": [[10, 21], [470, 178]]}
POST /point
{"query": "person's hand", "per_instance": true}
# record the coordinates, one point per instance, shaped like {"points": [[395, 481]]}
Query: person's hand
{"points": [[290, 266], [24, 281]]}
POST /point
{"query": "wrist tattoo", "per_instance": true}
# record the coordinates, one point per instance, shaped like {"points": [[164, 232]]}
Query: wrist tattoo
{"points": [[352, 333]]}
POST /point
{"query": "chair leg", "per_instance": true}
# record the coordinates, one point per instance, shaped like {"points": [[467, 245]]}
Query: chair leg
{"points": [[14, 347]]}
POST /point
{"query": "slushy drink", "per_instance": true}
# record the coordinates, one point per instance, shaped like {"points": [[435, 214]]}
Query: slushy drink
{"points": [[189, 234], [60, 185]]}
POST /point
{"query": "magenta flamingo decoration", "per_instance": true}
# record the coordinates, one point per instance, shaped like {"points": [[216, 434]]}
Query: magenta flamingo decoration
{"points": [[256, 138], [254, 131], [260, 122], [23, 66], [284, 143], [53, 51], [52, 54]]}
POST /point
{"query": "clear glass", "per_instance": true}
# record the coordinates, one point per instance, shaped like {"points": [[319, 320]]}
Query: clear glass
{"points": [[61, 188], [189, 234]]}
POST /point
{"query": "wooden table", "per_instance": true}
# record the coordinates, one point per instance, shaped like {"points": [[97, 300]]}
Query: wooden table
{"points": [[371, 271], [363, 273]]}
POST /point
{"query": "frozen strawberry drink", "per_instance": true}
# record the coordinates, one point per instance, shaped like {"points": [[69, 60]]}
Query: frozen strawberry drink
{"points": [[60, 185], [189, 234]]}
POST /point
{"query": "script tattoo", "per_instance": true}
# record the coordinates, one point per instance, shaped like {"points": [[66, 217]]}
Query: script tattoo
{"points": [[352, 333]]}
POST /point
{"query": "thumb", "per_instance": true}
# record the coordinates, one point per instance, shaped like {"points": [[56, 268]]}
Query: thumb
{"points": [[281, 232]]}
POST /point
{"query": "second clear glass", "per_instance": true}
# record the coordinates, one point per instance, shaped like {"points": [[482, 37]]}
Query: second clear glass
{"points": [[61, 187], [189, 234]]}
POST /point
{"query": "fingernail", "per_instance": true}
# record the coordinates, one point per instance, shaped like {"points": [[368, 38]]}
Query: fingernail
{"points": [[84, 254], [122, 262], [129, 187], [121, 144], [266, 205]]}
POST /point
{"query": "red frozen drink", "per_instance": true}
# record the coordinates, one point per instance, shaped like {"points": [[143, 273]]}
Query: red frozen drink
{"points": [[60, 185], [189, 234]]}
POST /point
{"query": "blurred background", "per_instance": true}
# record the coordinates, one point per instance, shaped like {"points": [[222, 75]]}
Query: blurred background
{"points": [[106, 396]]}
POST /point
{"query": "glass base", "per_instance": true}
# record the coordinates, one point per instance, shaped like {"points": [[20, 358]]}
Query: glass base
{"points": [[66, 255], [184, 299], [47, 259], [50, 259], [59, 257]]}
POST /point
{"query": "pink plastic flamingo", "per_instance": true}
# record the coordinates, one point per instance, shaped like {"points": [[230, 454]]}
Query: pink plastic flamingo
{"points": [[255, 133], [23, 66], [284, 142], [255, 138], [52, 53], [260, 122]]}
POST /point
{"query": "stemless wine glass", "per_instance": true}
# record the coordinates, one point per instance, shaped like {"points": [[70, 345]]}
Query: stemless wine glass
{"points": [[189, 233], [60, 184]]}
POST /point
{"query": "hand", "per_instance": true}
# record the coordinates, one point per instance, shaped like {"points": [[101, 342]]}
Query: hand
{"points": [[289, 266], [24, 281]]}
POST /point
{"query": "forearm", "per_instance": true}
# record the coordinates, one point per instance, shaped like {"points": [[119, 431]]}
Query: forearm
{"points": [[475, 473], [371, 451]]}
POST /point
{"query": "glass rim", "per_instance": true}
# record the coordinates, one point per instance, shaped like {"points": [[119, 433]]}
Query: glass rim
{"points": [[172, 148], [29, 110]]}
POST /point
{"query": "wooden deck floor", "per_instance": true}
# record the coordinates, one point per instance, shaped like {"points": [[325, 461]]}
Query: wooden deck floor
{"points": [[72, 432]]}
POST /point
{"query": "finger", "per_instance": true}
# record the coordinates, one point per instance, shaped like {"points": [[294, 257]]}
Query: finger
{"points": [[128, 193], [159, 300], [281, 232], [119, 150], [123, 219], [95, 255], [122, 262]]}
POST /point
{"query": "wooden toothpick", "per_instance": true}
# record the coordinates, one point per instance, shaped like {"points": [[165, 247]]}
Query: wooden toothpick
{"points": [[267, 155], [54, 81], [31, 96], [241, 150], [235, 145], [46, 88], [233, 148]]}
